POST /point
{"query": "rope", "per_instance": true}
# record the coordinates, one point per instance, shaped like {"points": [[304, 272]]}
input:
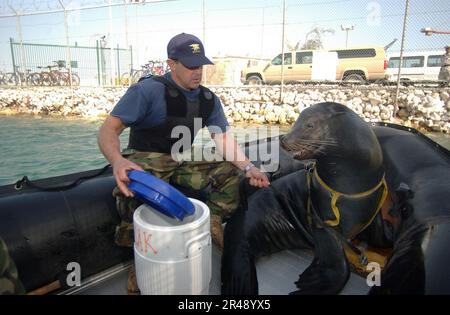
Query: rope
{"points": [[25, 181]]}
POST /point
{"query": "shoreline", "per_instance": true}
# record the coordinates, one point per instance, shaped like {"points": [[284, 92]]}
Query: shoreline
{"points": [[237, 124], [424, 109]]}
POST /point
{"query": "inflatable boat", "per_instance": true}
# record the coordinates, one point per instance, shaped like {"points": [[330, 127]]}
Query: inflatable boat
{"points": [[49, 223]]}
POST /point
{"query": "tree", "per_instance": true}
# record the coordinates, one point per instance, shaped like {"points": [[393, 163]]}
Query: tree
{"points": [[313, 39], [292, 47]]}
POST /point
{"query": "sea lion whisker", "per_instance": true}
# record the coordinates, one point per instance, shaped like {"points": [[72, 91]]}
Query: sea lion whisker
{"points": [[304, 142], [296, 147], [320, 141], [308, 141], [314, 145], [320, 145]]}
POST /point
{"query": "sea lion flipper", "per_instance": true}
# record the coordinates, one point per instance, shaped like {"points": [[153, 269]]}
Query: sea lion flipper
{"points": [[329, 271]]}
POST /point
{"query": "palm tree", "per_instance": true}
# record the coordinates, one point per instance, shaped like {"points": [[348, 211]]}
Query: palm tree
{"points": [[313, 39]]}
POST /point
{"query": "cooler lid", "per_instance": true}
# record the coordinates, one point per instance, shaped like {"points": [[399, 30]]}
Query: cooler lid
{"points": [[160, 195]]}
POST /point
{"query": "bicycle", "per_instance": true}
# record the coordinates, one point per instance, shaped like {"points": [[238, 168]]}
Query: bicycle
{"points": [[136, 74], [21, 77], [67, 75], [154, 67], [56, 77], [158, 67]]}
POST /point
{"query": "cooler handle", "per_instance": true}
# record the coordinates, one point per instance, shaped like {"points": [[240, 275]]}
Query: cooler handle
{"points": [[196, 239]]}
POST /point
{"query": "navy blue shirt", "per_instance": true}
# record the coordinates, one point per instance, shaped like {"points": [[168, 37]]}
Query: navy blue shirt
{"points": [[144, 106]]}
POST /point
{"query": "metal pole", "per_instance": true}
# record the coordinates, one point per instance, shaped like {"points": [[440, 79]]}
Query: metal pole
{"points": [[11, 42], [126, 43], [19, 30], [262, 30], [131, 65], [118, 63], [98, 64], [204, 36], [22, 53], [126, 23], [69, 57], [136, 37], [111, 50], [103, 59], [401, 59], [282, 51], [131, 55]]}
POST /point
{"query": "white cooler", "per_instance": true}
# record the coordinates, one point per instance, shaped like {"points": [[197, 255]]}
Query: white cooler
{"points": [[172, 256]]}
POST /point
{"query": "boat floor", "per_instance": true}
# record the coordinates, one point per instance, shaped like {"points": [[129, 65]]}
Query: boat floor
{"points": [[276, 276]]}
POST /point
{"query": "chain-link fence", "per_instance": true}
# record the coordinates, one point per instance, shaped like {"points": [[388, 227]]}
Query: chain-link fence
{"points": [[40, 64], [237, 34]]}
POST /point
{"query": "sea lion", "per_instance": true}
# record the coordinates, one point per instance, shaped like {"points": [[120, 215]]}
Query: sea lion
{"points": [[418, 178], [320, 207]]}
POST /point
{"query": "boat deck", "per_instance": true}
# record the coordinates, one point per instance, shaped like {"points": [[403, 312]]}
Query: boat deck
{"points": [[276, 275]]}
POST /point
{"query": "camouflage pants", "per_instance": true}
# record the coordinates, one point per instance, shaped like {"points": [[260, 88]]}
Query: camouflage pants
{"points": [[220, 180], [9, 279]]}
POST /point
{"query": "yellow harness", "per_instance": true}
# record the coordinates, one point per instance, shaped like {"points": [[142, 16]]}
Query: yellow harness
{"points": [[336, 194]]}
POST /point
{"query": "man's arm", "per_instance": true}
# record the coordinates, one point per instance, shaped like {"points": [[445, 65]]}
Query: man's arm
{"points": [[232, 152], [109, 144]]}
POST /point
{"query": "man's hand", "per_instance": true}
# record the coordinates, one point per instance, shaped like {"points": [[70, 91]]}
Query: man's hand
{"points": [[120, 169], [257, 178]]}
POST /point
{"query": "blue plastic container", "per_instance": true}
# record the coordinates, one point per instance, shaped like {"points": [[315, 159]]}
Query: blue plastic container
{"points": [[160, 195]]}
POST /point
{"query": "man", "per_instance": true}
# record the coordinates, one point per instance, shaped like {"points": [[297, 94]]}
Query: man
{"points": [[444, 73], [152, 108]]}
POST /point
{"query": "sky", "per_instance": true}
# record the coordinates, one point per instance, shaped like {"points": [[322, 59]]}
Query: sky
{"points": [[233, 27]]}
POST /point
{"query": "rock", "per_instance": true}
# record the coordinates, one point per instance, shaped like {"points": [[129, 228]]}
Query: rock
{"points": [[444, 96], [375, 100], [417, 107], [403, 113]]}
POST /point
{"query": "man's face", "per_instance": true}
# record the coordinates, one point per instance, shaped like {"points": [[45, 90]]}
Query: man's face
{"points": [[188, 78]]}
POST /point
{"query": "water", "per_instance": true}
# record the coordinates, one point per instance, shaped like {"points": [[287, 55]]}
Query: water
{"points": [[46, 147]]}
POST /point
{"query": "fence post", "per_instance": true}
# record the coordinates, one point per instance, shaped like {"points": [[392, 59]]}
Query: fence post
{"points": [[98, 64], [11, 42], [111, 47], [131, 57], [401, 60], [204, 38], [22, 53], [282, 51], [126, 23], [131, 65], [118, 65], [68, 53]]}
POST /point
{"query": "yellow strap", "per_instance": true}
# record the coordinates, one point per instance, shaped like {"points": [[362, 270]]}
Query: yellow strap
{"points": [[335, 196], [380, 204], [308, 204], [336, 211]]}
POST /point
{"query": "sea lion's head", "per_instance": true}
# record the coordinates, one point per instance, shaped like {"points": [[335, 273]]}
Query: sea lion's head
{"points": [[327, 129]]}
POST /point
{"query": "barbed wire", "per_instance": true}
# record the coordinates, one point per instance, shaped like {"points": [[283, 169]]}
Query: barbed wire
{"points": [[11, 7], [262, 24], [213, 26]]}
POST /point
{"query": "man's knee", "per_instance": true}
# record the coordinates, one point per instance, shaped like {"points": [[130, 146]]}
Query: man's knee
{"points": [[124, 235], [125, 205]]}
